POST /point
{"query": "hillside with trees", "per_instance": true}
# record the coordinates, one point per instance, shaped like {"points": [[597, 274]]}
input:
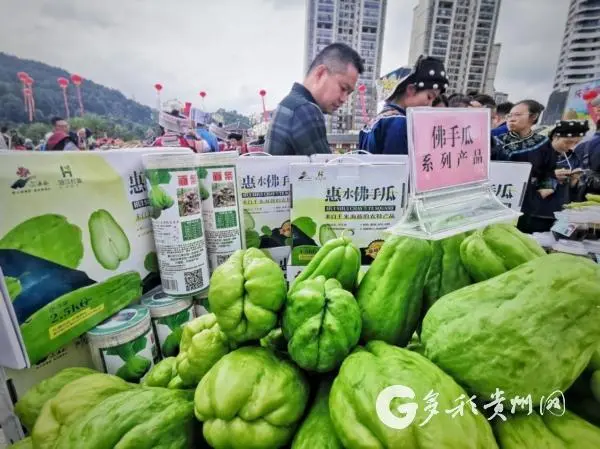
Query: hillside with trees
{"points": [[107, 111], [98, 100]]}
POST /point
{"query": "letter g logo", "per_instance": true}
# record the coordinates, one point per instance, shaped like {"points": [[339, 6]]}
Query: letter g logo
{"points": [[384, 402]]}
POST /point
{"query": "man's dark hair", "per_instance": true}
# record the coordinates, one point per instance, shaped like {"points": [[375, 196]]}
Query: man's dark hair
{"points": [[504, 108], [459, 101], [336, 58], [485, 100], [4, 129], [54, 120], [472, 93], [535, 108]]}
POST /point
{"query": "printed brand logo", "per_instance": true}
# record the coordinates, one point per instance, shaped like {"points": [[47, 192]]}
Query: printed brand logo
{"points": [[401, 416], [24, 176]]}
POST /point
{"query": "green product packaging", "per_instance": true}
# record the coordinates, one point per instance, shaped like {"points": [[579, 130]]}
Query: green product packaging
{"points": [[221, 206], [266, 199], [169, 315], [174, 193], [351, 196], [76, 245], [124, 344]]}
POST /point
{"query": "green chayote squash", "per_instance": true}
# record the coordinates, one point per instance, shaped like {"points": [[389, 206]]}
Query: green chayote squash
{"points": [[316, 431], [29, 406], [322, 324], [496, 249], [446, 270], [390, 296], [546, 432], [71, 403], [367, 372], [202, 345], [338, 258], [246, 292], [144, 418], [162, 374], [251, 399], [274, 340], [508, 323]]}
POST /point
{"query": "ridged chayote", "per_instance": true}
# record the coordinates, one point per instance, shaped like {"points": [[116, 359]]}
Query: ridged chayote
{"points": [[498, 333], [367, 372], [246, 293], [202, 345], [322, 324], [71, 403], [547, 431], [251, 399]]}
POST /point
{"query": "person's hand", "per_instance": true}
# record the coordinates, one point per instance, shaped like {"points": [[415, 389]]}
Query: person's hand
{"points": [[576, 176], [545, 193], [562, 174]]}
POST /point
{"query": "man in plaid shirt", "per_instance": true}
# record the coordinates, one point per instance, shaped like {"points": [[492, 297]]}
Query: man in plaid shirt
{"points": [[298, 125]]}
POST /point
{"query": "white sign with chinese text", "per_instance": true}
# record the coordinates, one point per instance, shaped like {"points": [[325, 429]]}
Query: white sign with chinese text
{"points": [[265, 190], [509, 182], [356, 199]]}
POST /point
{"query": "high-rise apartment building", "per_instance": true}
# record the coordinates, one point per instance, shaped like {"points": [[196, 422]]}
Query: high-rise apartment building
{"points": [[360, 24], [580, 52], [460, 32]]}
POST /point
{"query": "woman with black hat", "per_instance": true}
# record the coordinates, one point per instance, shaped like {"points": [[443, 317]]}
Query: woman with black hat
{"points": [[564, 138], [567, 174], [387, 134]]}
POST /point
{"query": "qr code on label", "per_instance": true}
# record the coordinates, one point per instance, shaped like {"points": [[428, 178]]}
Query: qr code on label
{"points": [[193, 280]]}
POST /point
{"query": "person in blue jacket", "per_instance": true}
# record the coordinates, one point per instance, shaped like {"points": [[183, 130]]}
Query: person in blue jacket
{"points": [[387, 134]]}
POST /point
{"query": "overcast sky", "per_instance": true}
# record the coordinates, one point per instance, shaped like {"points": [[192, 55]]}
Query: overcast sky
{"points": [[233, 48]]}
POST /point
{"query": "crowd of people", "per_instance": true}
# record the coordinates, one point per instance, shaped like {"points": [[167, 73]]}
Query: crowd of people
{"points": [[60, 138], [565, 162]]}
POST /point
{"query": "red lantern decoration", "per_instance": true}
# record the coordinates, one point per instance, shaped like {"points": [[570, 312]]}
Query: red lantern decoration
{"points": [[362, 88], [158, 87], [77, 80], [63, 83], [262, 94], [203, 94], [22, 76]]}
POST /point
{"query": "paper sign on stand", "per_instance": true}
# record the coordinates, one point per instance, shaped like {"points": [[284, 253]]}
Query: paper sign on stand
{"points": [[345, 196], [509, 182], [449, 162], [265, 186]]}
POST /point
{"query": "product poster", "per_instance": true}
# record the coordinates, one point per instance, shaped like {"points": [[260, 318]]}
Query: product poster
{"points": [[358, 200], [81, 249], [265, 191]]}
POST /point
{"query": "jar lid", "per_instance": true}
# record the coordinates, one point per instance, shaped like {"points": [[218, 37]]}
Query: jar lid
{"points": [[160, 304], [132, 320]]}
